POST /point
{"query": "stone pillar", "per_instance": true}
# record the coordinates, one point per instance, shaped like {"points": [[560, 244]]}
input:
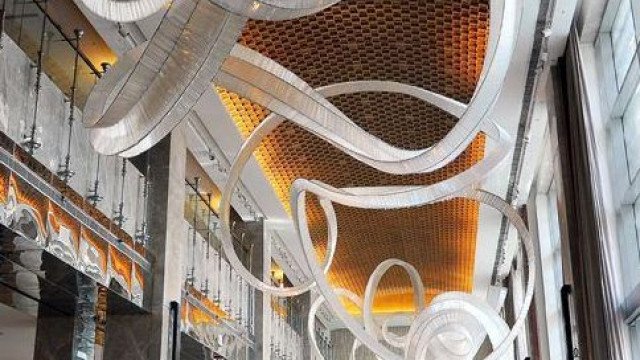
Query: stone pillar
{"points": [[167, 161], [78, 334], [84, 332], [260, 267]]}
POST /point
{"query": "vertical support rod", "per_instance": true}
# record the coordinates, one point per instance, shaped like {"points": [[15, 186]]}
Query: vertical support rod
{"points": [[565, 292], [2, 18], [119, 218], [145, 210], [31, 141], [21, 23], [94, 195], [142, 233], [64, 172], [205, 289], [217, 299], [196, 189]]}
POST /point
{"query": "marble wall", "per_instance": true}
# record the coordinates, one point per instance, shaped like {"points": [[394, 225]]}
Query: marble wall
{"points": [[17, 99]]}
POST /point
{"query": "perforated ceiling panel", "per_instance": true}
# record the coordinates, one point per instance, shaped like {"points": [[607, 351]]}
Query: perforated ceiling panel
{"points": [[438, 45], [435, 44]]}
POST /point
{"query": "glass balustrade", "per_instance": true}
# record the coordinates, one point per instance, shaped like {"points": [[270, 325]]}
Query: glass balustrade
{"points": [[53, 57], [210, 283]]}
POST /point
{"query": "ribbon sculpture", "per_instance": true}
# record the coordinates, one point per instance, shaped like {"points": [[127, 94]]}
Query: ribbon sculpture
{"points": [[150, 90]]}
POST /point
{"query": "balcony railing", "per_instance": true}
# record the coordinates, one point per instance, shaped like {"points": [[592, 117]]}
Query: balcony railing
{"points": [[54, 57], [218, 300]]}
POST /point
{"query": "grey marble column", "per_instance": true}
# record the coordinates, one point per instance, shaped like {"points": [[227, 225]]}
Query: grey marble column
{"points": [[167, 161], [259, 267], [84, 332], [76, 335]]}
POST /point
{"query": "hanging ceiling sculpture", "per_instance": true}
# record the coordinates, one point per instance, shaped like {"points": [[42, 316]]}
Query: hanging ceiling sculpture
{"points": [[152, 87]]}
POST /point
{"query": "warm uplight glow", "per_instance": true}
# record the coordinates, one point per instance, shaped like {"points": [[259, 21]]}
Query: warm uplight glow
{"points": [[98, 245], [25, 194], [57, 218], [211, 306], [400, 302], [121, 265], [4, 184], [139, 275]]}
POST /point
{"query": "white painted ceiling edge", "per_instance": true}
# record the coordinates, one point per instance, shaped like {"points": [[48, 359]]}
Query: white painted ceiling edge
{"points": [[507, 113]]}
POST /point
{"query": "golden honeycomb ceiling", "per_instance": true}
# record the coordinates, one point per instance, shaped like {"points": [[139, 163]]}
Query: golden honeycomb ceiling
{"points": [[438, 45]]}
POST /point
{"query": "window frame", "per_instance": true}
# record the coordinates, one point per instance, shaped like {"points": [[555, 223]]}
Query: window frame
{"points": [[617, 102]]}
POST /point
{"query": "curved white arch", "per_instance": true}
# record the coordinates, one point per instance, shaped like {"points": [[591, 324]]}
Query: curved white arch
{"points": [[124, 10], [370, 324], [245, 153], [313, 310], [392, 197], [501, 346], [149, 92], [152, 95], [443, 315], [134, 10]]}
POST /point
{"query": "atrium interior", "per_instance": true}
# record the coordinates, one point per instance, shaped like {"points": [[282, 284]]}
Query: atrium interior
{"points": [[319, 179]]}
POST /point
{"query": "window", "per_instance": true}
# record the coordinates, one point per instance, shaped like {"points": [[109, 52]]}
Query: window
{"points": [[631, 132], [619, 83], [549, 245], [623, 40]]}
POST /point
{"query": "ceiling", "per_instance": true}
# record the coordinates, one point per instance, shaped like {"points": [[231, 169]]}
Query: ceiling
{"points": [[437, 45]]}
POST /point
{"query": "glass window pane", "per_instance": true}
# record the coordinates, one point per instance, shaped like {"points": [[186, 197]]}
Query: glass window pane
{"points": [[631, 123], [623, 39], [634, 246]]}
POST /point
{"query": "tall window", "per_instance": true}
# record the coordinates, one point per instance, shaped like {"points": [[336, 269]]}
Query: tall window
{"points": [[619, 84], [623, 40]]}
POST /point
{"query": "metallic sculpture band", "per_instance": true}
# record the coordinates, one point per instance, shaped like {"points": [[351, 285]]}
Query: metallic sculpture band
{"points": [[124, 11], [150, 96], [275, 9], [148, 93], [133, 10]]}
